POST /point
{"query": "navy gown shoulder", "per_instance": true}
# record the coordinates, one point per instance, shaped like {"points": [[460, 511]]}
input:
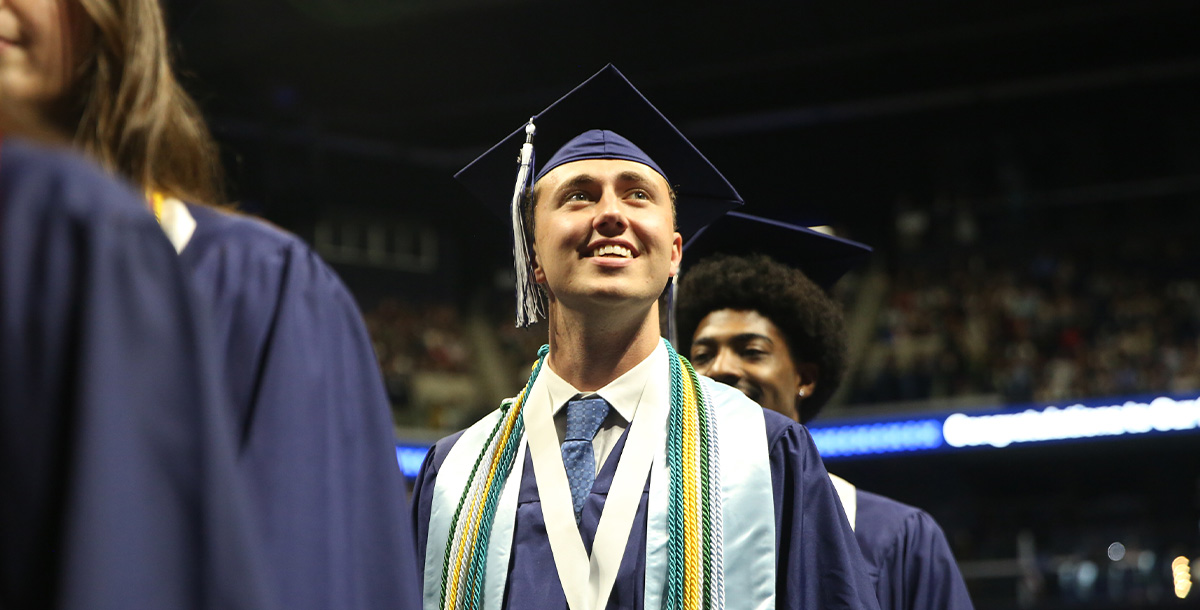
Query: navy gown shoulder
{"points": [[118, 473], [911, 561], [313, 422], [819, 564]]}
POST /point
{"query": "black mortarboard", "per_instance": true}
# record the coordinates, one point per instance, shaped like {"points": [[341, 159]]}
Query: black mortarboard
{"points": [[603, 118], [823, 258]]}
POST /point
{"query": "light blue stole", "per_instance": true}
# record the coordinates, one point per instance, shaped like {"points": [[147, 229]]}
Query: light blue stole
{"points": [[746, 498]]}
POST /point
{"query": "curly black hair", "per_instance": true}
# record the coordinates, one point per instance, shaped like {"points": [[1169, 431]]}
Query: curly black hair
{"points": [[809, 319]]}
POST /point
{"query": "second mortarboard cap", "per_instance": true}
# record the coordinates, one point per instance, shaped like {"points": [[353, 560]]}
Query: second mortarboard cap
{"points": [[603, 118], [823, 258]]}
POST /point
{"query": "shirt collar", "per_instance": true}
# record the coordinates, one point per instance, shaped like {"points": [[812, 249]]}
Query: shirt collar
{"points": [[623, 393], [177, 222]]}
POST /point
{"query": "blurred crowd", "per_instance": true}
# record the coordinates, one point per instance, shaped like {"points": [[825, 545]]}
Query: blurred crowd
{"points": [[1084, 318], [1031, 341], [416, 344], [1042, 327], [520, 347]]}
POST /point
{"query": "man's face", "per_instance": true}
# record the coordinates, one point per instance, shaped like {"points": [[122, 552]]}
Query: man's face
{"points": [[744, 349], [604, 233]]}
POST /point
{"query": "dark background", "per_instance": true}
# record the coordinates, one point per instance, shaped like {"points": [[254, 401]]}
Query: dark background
{"points": [[822, 112]]}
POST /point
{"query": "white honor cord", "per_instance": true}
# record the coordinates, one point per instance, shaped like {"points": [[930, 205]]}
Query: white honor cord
{"points": [[587, 581]]}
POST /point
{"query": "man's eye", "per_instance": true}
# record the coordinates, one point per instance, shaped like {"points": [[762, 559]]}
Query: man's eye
{"points": [[576, 196], [639, 195], [700, 357], [753, 353]]}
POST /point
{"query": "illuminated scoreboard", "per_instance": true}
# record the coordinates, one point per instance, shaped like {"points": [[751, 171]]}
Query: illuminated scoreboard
{"points": [[411, 456], [1010, 427]]}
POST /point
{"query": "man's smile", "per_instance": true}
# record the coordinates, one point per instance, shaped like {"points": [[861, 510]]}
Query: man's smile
{"points": [[618, 249], [613, 250]]}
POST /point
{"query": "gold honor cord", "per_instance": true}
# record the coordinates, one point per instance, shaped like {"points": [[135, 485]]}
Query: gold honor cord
{"points": [[156, 200]]}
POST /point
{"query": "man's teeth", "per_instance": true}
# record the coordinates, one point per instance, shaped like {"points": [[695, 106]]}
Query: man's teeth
{"points": [[614, 250]]}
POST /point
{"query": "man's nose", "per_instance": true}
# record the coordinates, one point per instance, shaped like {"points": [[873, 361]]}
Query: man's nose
{"points": [[610, 217], [725, 367]]}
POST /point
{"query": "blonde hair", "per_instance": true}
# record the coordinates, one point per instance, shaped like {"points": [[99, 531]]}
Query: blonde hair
{"points": [[128, 111]]}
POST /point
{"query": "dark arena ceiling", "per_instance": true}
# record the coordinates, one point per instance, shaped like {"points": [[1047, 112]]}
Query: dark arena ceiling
{"points": [[819, 110]]}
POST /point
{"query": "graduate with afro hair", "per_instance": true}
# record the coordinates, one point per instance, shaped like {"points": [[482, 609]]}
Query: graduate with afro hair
{"points": [[797, 309], [766, 325]]}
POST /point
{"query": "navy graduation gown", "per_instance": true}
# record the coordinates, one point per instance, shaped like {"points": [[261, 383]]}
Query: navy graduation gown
{"points": [[818, 565], [910, 560], [313, 421], [117, 471]]}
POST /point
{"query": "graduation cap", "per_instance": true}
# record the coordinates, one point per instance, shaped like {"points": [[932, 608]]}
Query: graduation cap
{"points": [[603, 118], [823, 258]]}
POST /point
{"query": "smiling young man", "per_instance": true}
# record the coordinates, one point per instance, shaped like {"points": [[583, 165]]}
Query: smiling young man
{"points": [[618, 478], [766, 328], [604, 245]]}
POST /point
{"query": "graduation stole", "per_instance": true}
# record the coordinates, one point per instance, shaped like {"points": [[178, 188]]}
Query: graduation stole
{"points": [[695, 540]]}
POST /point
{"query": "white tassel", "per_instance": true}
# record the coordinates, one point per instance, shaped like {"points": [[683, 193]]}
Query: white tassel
{"points": [[530, 305]]}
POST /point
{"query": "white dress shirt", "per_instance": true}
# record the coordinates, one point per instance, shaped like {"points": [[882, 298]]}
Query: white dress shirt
{"points": [[623, 395]]}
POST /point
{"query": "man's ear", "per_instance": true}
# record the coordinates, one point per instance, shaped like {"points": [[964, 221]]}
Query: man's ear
{"points": [[806, 379], [676, 254], [539, 275]]}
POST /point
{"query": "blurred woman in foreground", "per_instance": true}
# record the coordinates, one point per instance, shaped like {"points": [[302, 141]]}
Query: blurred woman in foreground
{"points": [[310, 416]]}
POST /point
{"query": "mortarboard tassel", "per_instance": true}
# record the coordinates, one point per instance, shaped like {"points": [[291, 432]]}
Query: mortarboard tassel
{"points": [[671, 329], [529, 299]]}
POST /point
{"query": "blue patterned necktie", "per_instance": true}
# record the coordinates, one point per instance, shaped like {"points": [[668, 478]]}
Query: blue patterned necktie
{"points": [[584, 416]]}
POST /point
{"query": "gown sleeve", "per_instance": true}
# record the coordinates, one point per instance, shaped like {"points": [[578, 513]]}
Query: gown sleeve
{"points": [[314, 425], [118, 472], [819, 564], [916, 568]]}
